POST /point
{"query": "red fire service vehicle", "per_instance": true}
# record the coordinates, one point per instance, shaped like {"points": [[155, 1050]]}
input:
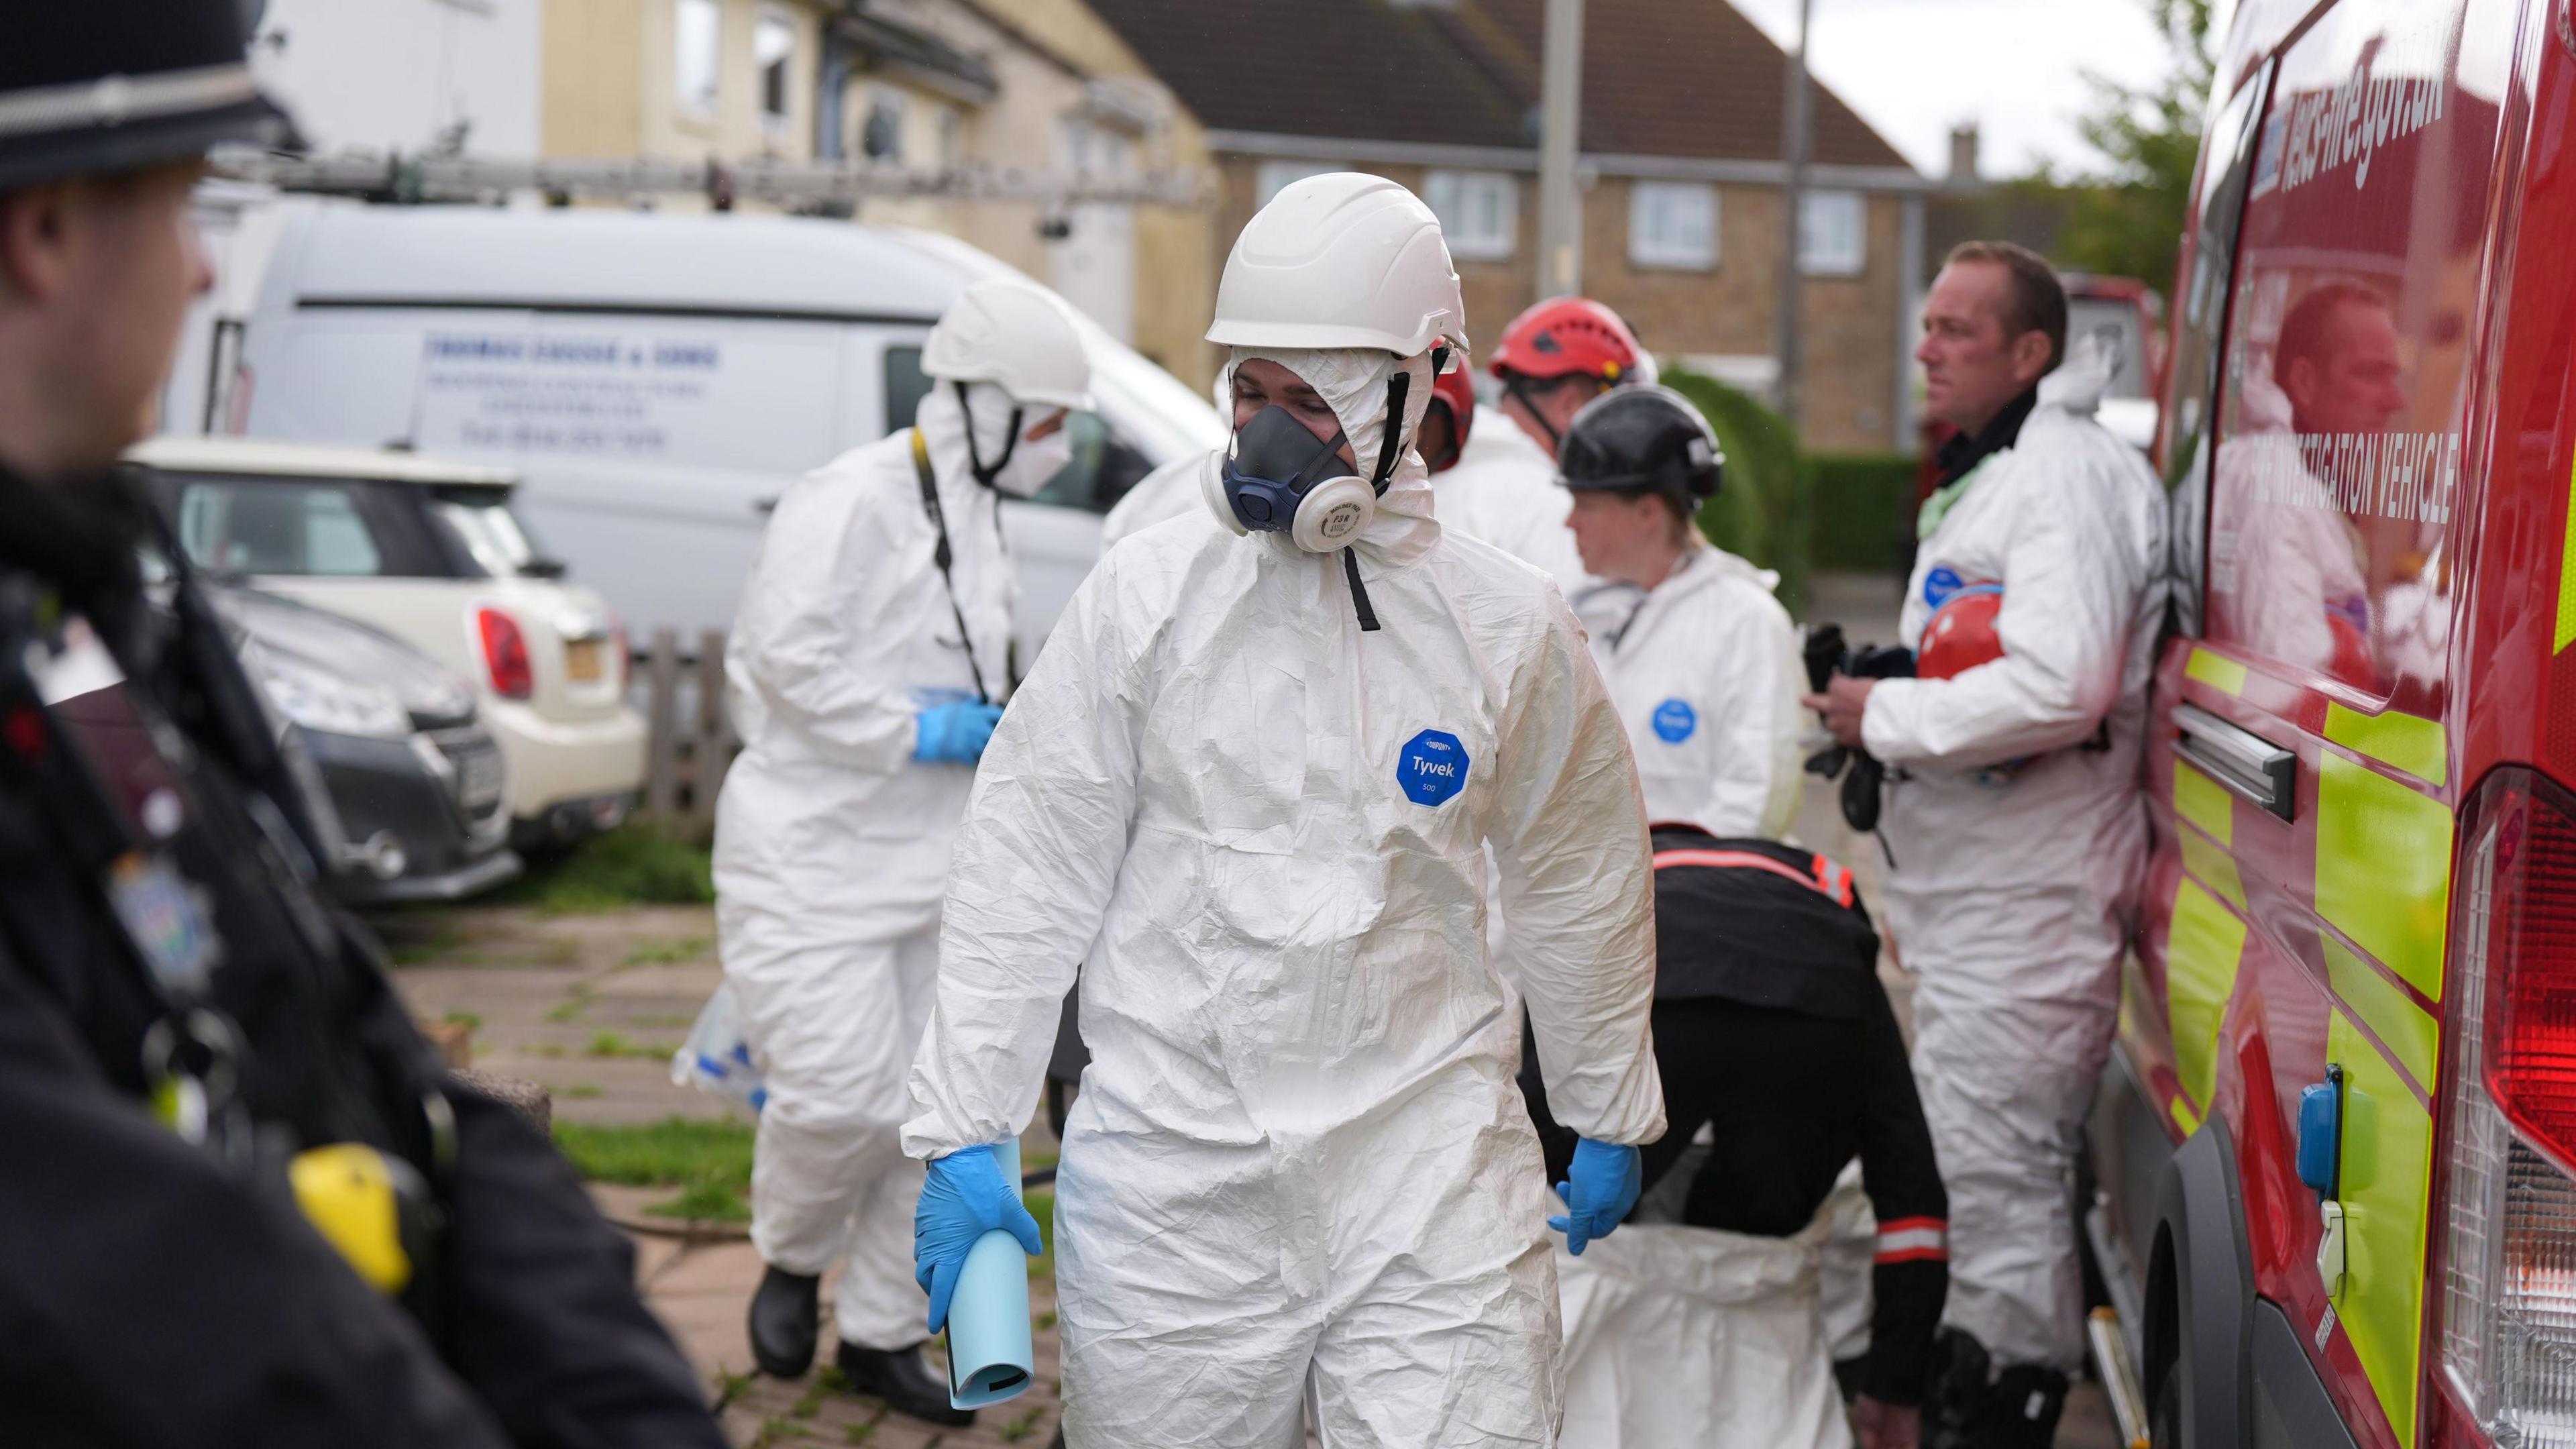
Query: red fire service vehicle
{"points": [[2336, 1146]]}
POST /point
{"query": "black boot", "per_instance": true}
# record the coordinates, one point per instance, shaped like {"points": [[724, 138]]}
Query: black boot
{"points": [[782, 1323], [909, 1383]]}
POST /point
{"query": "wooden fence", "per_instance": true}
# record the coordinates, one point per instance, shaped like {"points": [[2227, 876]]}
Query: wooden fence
{"points": [[692, 741]]}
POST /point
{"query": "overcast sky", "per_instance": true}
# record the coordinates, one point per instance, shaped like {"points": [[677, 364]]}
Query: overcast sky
{"points": [[1915, 68]]}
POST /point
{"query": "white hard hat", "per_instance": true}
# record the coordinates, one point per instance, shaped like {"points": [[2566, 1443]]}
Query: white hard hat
{"points": [[1015, 337], [1341, 260]]}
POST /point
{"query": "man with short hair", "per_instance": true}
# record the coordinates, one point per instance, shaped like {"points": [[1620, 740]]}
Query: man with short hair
{"points": [[2015, 816], [241, 1202]]}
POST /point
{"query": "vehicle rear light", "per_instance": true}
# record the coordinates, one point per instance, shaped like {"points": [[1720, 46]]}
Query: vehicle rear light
{"points": [[2508, 1322], [505, 654], [619, 661]]}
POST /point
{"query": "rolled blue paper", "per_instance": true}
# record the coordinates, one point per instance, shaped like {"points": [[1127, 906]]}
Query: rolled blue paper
{"points": [[989, 1357]]}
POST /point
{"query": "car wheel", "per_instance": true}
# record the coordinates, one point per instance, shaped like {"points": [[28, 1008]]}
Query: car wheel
{"points": [[2164, 1424]]}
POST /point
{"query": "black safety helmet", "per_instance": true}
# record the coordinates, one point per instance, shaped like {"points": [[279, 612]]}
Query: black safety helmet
{"points": [[99, 87], [1642, 440]]}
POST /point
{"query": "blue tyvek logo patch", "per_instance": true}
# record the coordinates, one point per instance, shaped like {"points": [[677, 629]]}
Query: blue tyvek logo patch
{"points": [[1675, 721], [1940, 584], [1432, 768]]}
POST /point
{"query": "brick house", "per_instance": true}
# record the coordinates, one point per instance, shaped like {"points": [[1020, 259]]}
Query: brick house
{"points": [[1039, 86], [1680, 168]]}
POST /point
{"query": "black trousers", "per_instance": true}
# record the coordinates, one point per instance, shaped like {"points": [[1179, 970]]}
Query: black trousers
{"points": [[1790, 1099]]}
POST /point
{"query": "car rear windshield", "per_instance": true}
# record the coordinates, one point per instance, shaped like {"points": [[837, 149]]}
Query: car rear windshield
{"points": [[481, 524], [248, 524]]}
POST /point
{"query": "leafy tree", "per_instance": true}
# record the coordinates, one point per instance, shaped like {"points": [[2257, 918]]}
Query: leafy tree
{"points": [[2128, 222]]}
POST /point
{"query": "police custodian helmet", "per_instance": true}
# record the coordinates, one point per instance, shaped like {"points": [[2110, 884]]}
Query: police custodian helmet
{"points": [[1642, 440], [97, 87]]}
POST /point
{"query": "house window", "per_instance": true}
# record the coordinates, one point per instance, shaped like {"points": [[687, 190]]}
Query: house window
{"points": [[1277, 176], [1672, 224], [881, 127], [1479, 211], [1833, 233], [773, 50], [697, 53]]}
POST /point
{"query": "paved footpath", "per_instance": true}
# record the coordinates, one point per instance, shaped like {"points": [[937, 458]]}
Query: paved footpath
{"points": [[592, 1007]]}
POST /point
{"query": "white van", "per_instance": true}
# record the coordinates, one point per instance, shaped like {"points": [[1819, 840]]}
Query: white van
{"points": [[659, 379]]}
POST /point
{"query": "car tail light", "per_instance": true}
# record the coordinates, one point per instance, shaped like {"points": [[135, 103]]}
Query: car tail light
{"points": [[2508, 1324], [505, 654], [619, 660]]}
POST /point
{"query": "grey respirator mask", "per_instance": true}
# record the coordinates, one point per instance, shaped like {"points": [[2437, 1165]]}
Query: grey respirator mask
{"points": [[1276, 476]]}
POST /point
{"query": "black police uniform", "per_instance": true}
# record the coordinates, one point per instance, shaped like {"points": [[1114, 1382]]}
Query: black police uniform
{"points": [[155, 1291], [1771, 1028], [182, 1014]]}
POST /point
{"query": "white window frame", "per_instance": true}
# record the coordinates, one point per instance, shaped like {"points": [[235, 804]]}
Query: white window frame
{"points": [[1652, 206], [697, 101], [1833, 233], [1277, 176], [1479, 212], [774, 20]]}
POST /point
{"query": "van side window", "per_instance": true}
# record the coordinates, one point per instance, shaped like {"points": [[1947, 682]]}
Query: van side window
{"points": [[905, 387], [2339, 429], [2193, 384]]}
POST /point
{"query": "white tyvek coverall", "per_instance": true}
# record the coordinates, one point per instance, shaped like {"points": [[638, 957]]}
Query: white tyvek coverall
{"points": [[1504, 491], [832, 843], [1680, 1336], [1299, 1161], [1706, 670], [2013, 893]]}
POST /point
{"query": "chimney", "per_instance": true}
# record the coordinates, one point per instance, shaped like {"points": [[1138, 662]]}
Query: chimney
{"points": [[1963, 155]]}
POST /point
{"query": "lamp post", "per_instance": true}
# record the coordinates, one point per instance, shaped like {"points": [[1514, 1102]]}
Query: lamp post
{"points": [[1793, 147], [1560, 203]]}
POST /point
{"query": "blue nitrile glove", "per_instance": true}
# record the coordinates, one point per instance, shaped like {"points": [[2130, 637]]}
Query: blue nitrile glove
{"points": [[1603, 1185], [954, 733], [962, 1199]]}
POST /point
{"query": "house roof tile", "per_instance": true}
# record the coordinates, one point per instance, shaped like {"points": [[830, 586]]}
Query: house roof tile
{"points": [[1675, 78]]}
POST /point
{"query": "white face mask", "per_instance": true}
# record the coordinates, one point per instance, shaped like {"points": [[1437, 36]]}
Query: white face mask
{"points": [[1034, 465]]}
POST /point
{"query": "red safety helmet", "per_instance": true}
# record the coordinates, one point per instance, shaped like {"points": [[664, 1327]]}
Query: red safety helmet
{"points": [[1961, 634], [1456, 391], [1567, 337]]}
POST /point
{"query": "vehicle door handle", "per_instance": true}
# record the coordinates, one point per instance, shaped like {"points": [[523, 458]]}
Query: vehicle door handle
{"points": [[2245, 762], [765, 506]]}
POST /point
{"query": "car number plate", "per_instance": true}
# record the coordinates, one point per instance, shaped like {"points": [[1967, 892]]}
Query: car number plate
{"points": [[582, 659]]}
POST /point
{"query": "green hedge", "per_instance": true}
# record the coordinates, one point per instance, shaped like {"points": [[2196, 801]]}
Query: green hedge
{"points": [[1762, 511], [1863, 505], [1798, 512]]}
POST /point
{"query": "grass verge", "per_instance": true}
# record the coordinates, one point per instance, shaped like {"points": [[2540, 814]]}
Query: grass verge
{"points": [[709, 1160], [633, 865]]}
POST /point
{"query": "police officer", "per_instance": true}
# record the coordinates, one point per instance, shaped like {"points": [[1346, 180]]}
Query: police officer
{"points": [[240, 1202]]}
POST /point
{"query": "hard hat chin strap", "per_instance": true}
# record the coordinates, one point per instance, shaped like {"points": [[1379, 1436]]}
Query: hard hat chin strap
{"points": [[1517, 386], [974, 458], [1390, 446], [1391, 443]]}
